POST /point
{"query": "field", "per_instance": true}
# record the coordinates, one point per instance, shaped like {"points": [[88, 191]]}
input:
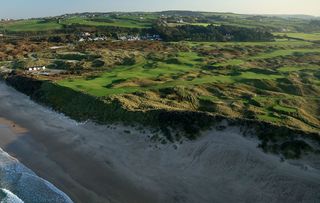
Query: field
{"points": [[126, 22], [303, 36], [276, 82], [30, 25], [40, 25], [144, 20]]}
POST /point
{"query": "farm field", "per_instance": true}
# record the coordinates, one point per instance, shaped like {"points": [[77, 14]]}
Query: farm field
{"points": [[145, 20], [30, 25], [128, 22], [40, 25]]}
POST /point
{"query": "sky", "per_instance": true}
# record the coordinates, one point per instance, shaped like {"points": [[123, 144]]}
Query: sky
{"points": [[40, 8]]}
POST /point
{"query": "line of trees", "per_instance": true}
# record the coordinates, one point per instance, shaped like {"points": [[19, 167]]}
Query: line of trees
{"points": [[211, 33]]}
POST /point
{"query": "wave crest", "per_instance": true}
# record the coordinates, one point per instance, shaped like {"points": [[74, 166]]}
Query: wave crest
{"points": [[6, 196]]}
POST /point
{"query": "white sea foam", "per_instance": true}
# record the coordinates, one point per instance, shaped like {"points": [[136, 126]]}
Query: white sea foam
{"points": [[9, 197], [25, 184]]}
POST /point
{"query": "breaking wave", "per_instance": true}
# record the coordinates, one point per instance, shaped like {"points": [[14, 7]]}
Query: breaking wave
{"points": [[6, 196]]}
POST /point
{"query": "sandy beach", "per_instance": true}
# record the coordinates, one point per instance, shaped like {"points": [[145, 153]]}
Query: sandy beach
{"points": [[81, 177], [93, 163]]}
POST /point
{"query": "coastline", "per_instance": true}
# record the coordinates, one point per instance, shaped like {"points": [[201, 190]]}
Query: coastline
{"points": [[17, 182], [173, 125], [81, 177], [118, 163]]}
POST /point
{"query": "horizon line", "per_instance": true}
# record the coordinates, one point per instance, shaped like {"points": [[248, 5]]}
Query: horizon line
{"points": [[139, 11]]}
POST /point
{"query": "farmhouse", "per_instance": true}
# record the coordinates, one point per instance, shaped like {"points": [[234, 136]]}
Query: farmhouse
{"points": [[1, 35]]}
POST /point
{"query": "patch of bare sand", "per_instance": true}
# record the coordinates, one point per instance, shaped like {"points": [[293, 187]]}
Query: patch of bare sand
{"points": [[14, 127]]}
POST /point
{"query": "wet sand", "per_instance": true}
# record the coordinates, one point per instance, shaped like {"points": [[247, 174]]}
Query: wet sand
{"points": [[93, 163], [15, 128], [37, 146]]}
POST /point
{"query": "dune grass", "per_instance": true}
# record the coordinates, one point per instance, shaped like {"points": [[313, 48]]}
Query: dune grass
{"points": [[285, 52], [163, 75], [285, 109], [286, 69]]}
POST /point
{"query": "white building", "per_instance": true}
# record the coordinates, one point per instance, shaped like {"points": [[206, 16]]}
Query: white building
{"points": [[86, 34], [37, 68]]}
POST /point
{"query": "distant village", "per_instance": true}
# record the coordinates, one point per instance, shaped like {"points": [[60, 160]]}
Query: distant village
{"points": [[88, 37]]}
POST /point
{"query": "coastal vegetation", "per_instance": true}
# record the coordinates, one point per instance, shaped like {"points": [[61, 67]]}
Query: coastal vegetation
{"points": [[182, 71]]}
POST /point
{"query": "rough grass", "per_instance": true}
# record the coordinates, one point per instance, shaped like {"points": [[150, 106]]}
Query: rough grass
{"points": [[298, 68], [264, 81], [283, 44], [187, 62], [285, 109], [285, 52]]}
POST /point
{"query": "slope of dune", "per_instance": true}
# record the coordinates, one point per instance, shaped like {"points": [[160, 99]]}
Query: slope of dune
{"points": [[118, 163]]}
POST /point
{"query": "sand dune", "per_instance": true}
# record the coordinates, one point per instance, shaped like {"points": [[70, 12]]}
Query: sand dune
{"points": [[93, 163]]}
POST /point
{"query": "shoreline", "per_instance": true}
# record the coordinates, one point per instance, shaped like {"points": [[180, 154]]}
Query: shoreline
{"points": [[19, 183], [14, 127], [43, 92], [95, 163], [173, 125], [75, 173], [82, 178]]}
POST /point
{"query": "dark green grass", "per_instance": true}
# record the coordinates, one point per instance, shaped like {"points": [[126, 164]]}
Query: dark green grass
{"points": [[30, 26]]}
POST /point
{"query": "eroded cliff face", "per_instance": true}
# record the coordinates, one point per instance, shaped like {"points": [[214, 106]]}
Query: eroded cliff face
{"points": [[173, 124], [26, 85], [118, 163]]}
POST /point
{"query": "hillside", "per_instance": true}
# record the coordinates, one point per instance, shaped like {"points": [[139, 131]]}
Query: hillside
{"points": [[144, 20]]}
